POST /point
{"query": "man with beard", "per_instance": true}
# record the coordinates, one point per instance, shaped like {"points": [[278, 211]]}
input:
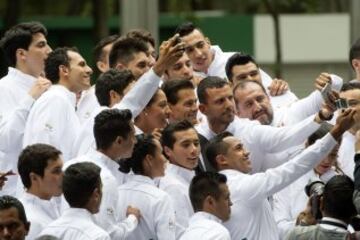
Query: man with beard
{"points": [[217, 104]]}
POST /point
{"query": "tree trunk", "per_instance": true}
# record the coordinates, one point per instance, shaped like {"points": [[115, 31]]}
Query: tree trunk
{"points": [[100, 17], [275, 16]]}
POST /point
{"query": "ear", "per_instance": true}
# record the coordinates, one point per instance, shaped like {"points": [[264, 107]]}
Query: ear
{"points": [[167, 151], [63, 70], [33, 177], [202, 108], [221, 160], [20, 54], [120, 66], [119, 140], [114, 95], [27, 227], [101, 66], [207, 40]]}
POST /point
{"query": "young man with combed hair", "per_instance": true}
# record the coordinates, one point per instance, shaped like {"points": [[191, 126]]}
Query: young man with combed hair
{"points": [[181, 146], [354, 58], [82, 188], [252, 216], [53, 119], [40, 169], [13, 222], [25, 48], [210, 198], [182, 100], [115, 138]]}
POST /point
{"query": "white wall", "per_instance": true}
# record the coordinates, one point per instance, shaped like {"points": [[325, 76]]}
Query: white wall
{"points": [[311, 44]]}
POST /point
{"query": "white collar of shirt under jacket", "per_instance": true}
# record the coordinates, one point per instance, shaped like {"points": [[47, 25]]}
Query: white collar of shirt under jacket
{"points": [[66, 92], [205, 215], [185, 174], [143, 179], [21, 78]]}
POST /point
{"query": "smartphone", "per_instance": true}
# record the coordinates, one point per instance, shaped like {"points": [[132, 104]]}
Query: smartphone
{"points": [[326, 91], [341, 103]]}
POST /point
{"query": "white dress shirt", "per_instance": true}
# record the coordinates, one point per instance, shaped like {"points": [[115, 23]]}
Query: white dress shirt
{"points": [[109, 217], [86, 105], [251, 214], [53, 120], [261, 139], [157, 212], [15, 104], [135, 100], [346, 154], [75, 224], [39, 213], [292, 200], [176, 183], [205, 226]]}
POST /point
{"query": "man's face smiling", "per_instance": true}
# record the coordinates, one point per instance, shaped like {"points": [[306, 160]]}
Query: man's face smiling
{"points": [[198, 50]]}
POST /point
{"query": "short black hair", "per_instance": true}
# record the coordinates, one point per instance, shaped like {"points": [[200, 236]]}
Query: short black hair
{"points": [[79, 182], [350, 86], [55, 59], [186, 28], [113, 79], [124, 49], [19, 36], [203, 185], [167, 136], [7, 202], [34, 158], [171, 89], [354, 52], [215, 147], [142, 34], [338, 198], [209, 82], [244, 83], [237, 59], [99, 48], [109, 124], [145, 145]]}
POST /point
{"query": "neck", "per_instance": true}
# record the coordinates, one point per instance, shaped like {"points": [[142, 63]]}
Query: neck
{"points": [[216, 126], [25, 70], [36, 192], [110, 154], [141, 123]]}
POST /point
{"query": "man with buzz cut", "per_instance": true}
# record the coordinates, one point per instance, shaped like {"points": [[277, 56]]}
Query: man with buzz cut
{"points": [[25, 49], [210, 198], [82, 187]]}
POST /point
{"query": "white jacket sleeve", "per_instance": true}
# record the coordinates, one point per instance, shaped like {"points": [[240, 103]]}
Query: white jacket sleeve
{"points": [[271, 139], [259, 186], [12, 127], [139, 96]]}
